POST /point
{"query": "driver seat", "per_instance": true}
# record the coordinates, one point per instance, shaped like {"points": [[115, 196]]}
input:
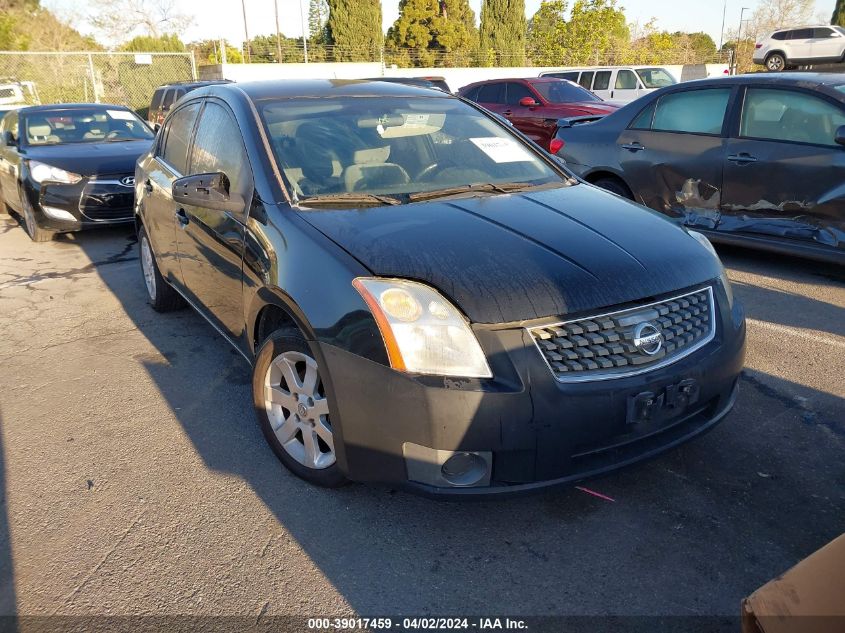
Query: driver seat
{"points": [[370, 170]]}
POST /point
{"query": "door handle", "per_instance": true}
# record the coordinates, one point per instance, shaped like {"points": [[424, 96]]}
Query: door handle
{"points": [[507, 112], [633, 147], [182, 218], [742, 159], [148, 185]]}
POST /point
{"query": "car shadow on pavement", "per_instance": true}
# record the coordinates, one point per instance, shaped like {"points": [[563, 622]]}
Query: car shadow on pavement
{"points": [[8, 601], [689, 533]]}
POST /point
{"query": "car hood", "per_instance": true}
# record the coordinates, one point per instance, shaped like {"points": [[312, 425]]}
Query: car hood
{"points": [[89, 159], [516, 257]]}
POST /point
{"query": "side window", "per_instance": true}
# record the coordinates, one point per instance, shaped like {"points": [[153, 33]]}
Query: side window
{"points": [[218, 146], [643, 119], [822, 33], [168, 99], [625, 80], [801, 34], [156, 102], [492, 93], [516, 92], [784, 115], [693, 112], [10, 123], [586, 80], [472, 95], [571, 76], [178, 137], [602, 80], [780, 35]]}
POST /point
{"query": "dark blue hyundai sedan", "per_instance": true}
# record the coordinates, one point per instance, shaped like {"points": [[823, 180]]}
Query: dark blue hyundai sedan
{"points": [[425, 297]]}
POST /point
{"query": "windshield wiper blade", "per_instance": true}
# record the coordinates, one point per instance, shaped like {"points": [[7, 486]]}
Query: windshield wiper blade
{"points": [[349, 198], [500, 187]]}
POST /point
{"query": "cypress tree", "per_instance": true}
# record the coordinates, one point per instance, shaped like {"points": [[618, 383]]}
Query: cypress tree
{"points": [[354, 29], [838, 18], [318, 14], [503, 29], [429, 27]]}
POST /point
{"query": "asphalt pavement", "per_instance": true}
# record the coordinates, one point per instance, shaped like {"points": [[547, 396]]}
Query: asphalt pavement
{"points": [[136, 481]]}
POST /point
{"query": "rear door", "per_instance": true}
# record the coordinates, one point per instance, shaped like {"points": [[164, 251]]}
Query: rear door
{"points": [[800, 43], [785, 174], [211, 241], [673, 152], [169, 162]]}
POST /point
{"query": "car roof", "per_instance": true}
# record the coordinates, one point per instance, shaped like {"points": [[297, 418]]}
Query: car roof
{"points": [[293, 88], [194, 84], [50, 107], [800, 79]]}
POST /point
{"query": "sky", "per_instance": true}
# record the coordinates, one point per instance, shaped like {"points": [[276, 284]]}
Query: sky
{"points": [[224, 18]]}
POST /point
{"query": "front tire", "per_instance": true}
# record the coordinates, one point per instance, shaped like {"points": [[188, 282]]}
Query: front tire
{"points": [[614, 185], [292, 407], [160, 294], [35, 232], [775, 62]]}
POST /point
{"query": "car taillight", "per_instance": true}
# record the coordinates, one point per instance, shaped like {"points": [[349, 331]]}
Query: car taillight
{"points": [[758, 46], [556, 145]]}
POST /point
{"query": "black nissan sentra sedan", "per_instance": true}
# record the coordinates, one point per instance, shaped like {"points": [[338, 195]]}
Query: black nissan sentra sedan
{"points": [[755, 160], [70, 167], [427, 299]]}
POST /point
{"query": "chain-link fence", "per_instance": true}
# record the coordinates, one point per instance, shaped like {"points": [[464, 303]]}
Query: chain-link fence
{"points": [[124, 78]]}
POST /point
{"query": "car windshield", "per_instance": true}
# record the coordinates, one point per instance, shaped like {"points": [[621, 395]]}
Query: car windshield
{"points": [[356, 149], [84, 125], [563, 91], [655, 77]]}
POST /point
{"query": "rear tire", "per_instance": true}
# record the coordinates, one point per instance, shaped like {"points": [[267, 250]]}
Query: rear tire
{"points": [[292, 406], [775, 62], [614, 185], [160, 294]]}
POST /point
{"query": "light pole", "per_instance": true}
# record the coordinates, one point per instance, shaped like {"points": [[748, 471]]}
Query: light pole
{"points": [[304, 32], [278, 35], [722, 33], [739, 38], [246, 32]]}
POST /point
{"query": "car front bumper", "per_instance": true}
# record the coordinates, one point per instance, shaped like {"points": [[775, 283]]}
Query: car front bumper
{"points": [[90, 203], [531, 430]]}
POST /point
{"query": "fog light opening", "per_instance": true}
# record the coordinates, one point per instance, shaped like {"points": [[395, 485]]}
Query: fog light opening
{"points": [[464, 469]]}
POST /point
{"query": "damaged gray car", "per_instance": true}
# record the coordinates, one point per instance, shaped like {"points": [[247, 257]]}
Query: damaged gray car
{"points": [[756, 160]]}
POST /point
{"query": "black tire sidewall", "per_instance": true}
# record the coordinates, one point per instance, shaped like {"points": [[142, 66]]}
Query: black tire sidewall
{"points": [[277, 343], [613, 186], [166, 298]]}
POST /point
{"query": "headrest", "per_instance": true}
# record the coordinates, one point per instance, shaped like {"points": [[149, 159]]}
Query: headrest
{"points": [[371, 156], [40, 130]]}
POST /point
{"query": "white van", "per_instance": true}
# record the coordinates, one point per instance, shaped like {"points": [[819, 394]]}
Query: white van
{"points": [[617, 83]]}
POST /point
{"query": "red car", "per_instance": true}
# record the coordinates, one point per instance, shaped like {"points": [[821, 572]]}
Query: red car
{"points": [[534, 105]]}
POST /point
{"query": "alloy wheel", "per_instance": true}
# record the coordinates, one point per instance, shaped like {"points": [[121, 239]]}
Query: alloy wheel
{"points": [[298, 410], [775, 63], [148, 267]]}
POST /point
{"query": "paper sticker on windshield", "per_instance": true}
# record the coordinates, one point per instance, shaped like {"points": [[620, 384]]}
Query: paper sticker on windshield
{"points": [[121, 115], [502, 150]]}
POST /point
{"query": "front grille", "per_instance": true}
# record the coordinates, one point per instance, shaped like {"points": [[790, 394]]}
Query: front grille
{"points": [[618, 344], [107, 200]]}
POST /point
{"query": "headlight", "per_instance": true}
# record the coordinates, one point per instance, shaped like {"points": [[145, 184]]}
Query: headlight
{"points": [[422, 331], [41, 172], [723, 277]]}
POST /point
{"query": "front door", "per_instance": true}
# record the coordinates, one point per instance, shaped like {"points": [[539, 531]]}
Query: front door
{"points": [[169, 162], [827, 44], [800, 45], [9, 162], [210, 241], [784, 172], [672, 154], [528, 120]]}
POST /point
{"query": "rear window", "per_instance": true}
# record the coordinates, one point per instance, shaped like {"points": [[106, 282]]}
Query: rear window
{"points": [[586, 80], [155, 104], [780, 35], [563, 92], [492, 93], [602, 80], [571, 76]]}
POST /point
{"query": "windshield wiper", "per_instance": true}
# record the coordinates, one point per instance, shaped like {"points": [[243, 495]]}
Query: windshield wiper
{"points": [[348, 198], [500, 187]]}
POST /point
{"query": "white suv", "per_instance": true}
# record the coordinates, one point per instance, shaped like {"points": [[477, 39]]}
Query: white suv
{"points": [[805, 45]]}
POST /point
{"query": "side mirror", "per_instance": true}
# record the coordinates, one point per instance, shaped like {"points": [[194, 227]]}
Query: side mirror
{"points": [[9, 139], [840, 135], [209, 191], [528, 102]]}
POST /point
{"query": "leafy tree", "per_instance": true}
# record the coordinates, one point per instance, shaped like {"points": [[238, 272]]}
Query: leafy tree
{"points": [[208, 51], [354, 29], [149, 44], [116, 20], [503, 29], [26, 25], [546, 30], [596, 33], [838, 18], [428, 28]]}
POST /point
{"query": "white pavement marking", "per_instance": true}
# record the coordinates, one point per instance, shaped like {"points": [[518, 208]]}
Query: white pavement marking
{"points": [[814, 337]]}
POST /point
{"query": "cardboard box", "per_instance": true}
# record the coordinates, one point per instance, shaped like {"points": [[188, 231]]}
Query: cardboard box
{"points": [[809, 598]]}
